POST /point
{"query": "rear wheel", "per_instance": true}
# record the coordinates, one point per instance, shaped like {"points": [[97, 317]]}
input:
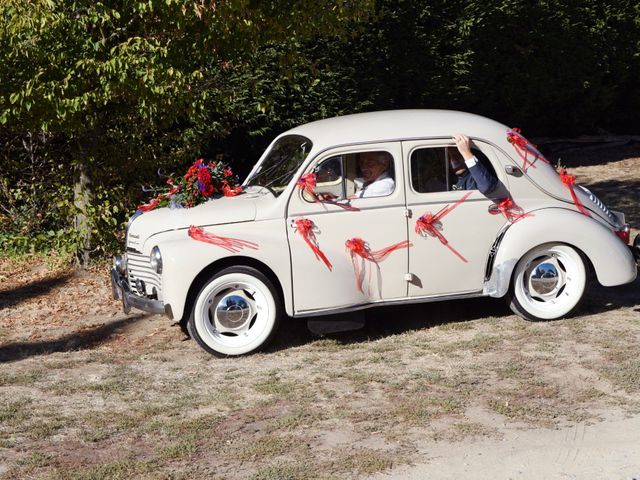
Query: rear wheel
{"points": [[549, 282], [236, 312]]}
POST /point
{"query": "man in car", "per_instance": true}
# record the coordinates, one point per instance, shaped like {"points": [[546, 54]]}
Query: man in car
{"points": [[472, 174], [375, 180]]}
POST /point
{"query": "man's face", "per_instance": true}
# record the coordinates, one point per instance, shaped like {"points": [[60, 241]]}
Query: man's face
{"points": [[372, 165]]}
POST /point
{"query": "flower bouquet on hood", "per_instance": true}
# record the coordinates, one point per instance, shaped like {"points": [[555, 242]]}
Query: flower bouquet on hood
{"points": [[202, 182]]}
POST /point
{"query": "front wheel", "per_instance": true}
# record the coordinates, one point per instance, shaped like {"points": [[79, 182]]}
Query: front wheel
{"points": [[236, 312], [549, 282]]}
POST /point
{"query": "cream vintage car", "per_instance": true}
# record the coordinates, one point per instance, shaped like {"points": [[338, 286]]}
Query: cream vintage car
{"points": [[299, 242]]}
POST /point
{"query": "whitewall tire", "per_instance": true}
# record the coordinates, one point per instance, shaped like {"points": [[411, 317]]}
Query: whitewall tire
{"points": [[549, 282], [236, 312]]}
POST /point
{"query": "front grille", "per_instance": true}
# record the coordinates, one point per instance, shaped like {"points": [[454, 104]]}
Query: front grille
{"points": [[139, 269], [598, 203]]}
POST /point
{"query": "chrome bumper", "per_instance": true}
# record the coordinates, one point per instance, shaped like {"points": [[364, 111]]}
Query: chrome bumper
{"points": [[635, 249], [121, 291]]}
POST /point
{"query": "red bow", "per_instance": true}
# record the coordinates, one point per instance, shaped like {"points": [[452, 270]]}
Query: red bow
{"points": [[357, 247], [520, 144], [570, 181], [305, 228], [233, 245], [308, 183], [511, 211], [146, 207], [429, 224], [231, 191]]}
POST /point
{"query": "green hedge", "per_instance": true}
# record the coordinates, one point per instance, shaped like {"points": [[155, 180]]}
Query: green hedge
{"points": [[551, 68]]}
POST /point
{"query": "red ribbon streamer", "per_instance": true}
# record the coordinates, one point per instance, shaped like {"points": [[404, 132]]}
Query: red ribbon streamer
{"points": [[305, 228], [233, 245], [429, 224], [146, 207], [511, 211], [520, 144], [231, 191], [357, 247], [308, 183], [570, 181]]}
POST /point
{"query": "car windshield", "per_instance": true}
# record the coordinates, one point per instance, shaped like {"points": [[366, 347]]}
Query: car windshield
{"points": [[282, 162]]}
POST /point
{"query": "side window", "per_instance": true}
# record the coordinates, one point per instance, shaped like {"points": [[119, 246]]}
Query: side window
{"points": [[355, 175], [441, 169], [330, 177], [429, 170]]}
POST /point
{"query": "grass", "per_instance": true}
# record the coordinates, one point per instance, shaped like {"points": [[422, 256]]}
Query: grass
{"points": [[348, 406], [421, 410], [363, 461], [625, 375], [266, 447], [284, 471]]}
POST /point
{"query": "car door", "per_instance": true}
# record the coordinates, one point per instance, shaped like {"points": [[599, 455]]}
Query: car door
{"points": [[451, 259], [379, 221]]}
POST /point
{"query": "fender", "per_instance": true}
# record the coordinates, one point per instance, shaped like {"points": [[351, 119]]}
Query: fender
{"points": [[611, 258], [183, 258]]}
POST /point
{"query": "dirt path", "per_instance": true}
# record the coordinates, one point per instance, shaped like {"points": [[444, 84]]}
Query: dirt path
{"points": [[609, 449], [445, 390]]}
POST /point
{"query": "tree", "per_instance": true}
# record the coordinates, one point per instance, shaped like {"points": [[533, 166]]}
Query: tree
{"points": [[126, 80]]}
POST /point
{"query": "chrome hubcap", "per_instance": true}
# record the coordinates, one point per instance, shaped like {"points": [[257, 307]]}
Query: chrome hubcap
{"points": [[233, 310], [544, 278]]}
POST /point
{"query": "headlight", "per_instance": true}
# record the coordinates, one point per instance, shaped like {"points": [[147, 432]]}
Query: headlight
{"points": [[156, 260], [120, 264]]}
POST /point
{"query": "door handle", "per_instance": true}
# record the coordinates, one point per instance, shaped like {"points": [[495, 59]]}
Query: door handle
{"points": [[513, 170], [494, 209]]}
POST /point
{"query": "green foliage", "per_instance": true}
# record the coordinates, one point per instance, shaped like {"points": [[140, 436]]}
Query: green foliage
{"points": [[132, 91]]}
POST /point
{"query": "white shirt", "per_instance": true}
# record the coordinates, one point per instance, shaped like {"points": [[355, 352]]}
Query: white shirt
{"points": [[380, 187]]}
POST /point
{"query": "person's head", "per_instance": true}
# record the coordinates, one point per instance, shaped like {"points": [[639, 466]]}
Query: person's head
{"points": [[456, 161], [373, 164]]}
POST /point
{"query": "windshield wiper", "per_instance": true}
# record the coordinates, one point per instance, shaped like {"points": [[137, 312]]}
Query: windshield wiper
{"points": [[284, 175], [268, 170]]}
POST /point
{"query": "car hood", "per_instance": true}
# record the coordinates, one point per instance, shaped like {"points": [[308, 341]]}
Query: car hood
{"points": [[241, 208]]}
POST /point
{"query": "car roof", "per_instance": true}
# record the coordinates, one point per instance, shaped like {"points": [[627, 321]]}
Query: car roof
{"points": [[396, 125]]}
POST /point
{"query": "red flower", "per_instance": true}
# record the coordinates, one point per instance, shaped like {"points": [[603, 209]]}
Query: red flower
{"points": [[208, 190], [228, 172], [204, 177]]}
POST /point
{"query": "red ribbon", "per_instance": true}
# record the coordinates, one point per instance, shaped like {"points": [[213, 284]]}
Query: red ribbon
{"points": [[233, 245], [305, 228], [570, 181], [146, 207], [357, 247], [429, 224], [308, 183], [520, 144], [511, 211], [231, 191]]}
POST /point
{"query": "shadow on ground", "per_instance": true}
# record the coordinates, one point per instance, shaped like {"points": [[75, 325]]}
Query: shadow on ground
{"points": [[14, 296], [74, 341], [381, 322], [388, 321]]}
